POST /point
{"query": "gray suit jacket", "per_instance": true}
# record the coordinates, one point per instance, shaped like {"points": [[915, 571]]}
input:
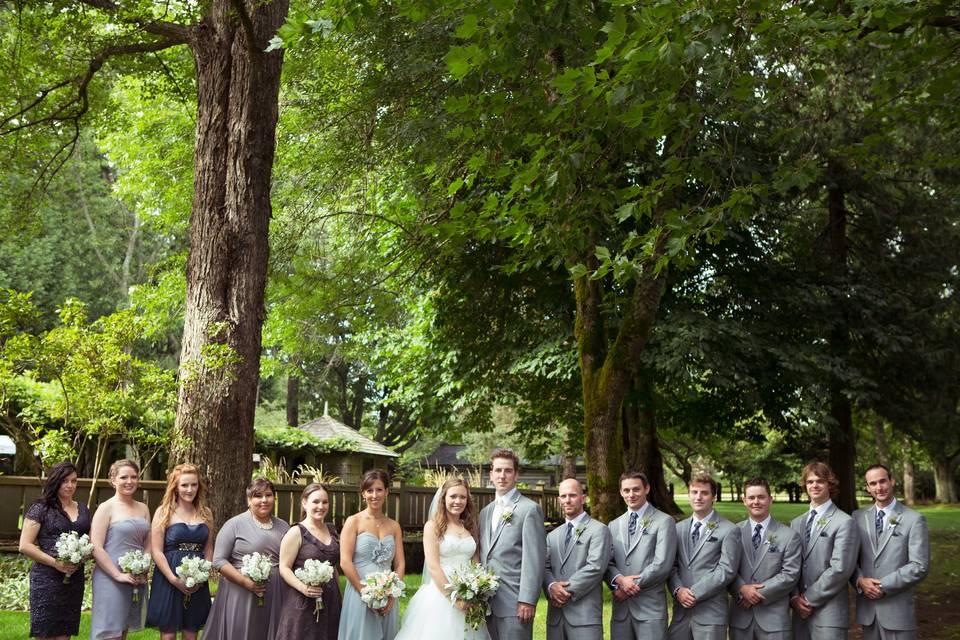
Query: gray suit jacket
{"points": [[583, 564], [828, 562], [775, 565], [515, 551], [650, 554], [706, 569], [900, 559]]}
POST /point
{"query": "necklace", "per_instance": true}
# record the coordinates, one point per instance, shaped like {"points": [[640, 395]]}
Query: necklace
{"points": [[266, 526]]}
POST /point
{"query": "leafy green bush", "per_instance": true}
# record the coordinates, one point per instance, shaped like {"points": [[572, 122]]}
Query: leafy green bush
{"points": [[15, 583]]}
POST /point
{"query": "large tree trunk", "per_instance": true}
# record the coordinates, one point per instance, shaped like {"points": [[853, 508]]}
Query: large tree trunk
{"points": [[606, 370], [841, 439], [946, 485], [641, 446], [237, 102], [293, 400], [909, 474]]}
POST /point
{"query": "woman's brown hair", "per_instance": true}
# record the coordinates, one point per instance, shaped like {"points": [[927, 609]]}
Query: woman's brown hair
{"points": [[170, 496], [468, 518], [310, 489]]}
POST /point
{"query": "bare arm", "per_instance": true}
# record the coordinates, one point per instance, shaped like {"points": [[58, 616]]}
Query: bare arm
{"points": [[431, 554], [348, 544], [399, 561], [289, 548], [29, 548]]}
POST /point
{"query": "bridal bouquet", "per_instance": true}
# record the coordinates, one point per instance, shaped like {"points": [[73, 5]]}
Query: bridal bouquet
{"points": [[193, 570], [256, 567], [379, 587], [137, 564], [475, 585], [73, 549], [315, 574]]}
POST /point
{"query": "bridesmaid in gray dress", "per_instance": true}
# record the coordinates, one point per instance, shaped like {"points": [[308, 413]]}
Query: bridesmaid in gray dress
{"points": [[235, 614], [370, 542], [120, 524]]}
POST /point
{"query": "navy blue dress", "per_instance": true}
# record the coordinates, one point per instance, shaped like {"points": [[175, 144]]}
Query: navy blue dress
{"points": [[54, 606], [165, 610]]}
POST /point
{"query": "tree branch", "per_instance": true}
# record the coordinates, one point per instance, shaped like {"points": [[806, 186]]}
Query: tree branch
{"points": [[247, 25], [169, 30]]}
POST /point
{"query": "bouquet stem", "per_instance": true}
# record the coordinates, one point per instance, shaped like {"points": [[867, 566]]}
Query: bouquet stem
{"points": [[136, 594], [186, 601], [318, 608]]}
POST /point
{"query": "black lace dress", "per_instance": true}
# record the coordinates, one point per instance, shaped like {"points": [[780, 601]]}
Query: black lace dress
{"points": [[54, 606]]}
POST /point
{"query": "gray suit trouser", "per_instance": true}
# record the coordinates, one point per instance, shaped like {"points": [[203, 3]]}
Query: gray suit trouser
{"points": [[687, 629], [805, 630], [563, 630], [876, 632], [754, 632], [509, 628], [631, 629]]}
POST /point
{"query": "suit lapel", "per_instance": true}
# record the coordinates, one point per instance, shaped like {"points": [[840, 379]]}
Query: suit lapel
{"points": [[888, 530], [705, 532], [817, 529], [503, 523], [746, 541], [684, 534], [764, 545], [632, 544], [573, 540], [485, 514]]}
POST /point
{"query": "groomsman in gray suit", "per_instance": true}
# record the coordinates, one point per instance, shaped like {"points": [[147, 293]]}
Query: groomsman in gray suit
{"points": [[644, 549], [894, 558], [707, 559], [578, 553], [770, 562], [512, 545], [830, 545]]}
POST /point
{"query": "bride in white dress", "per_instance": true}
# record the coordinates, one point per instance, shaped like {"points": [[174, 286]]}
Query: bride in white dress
{"points": [[449, 541]]}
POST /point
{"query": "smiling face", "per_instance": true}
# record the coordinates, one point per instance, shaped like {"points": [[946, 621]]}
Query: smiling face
{"points": [[187, 487], [634, 492], [316, 505], [571, 498], [701, 498], [817, 488], [126, 481], [880, 485], [375, 495], [261, 504], [503, 475], [455, 499], [67, 488], [757, 501]]}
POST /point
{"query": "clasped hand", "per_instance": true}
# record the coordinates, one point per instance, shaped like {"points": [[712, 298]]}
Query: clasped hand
{"points": [[559, 595], [870, 587], [627, 587], [750, 595]]}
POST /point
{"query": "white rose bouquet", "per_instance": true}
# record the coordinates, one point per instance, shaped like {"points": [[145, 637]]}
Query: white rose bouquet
{"points": [[315, 574], [73, 549], [475, 585], [193, 570], [257, 567], [379, 587], [137, 564]]}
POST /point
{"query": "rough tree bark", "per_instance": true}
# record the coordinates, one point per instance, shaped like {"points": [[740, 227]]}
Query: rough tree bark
{"points": [[293, 400], [641, 445], [238, 86], [840, 435], [607, 367], [909, 474]]}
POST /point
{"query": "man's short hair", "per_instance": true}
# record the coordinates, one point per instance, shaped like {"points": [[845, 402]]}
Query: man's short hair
{"points": [[634, 475], [506, 454], [706, 478], [757, 481], [879, 465], [822, 470]]}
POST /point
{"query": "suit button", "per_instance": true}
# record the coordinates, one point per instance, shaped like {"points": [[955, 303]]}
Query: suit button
{"points": [[627, 563]]}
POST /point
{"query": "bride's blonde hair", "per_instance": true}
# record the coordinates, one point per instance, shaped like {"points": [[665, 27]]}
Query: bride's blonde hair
{"points": [[468, 518]]}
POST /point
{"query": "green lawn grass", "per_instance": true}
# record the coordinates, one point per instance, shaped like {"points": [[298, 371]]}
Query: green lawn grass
{"points": [[943, 580]]}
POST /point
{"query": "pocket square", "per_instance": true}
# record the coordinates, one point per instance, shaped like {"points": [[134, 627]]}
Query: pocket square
{"points": [[773, 550], [823, 534], [711, 539], [895, 534]]}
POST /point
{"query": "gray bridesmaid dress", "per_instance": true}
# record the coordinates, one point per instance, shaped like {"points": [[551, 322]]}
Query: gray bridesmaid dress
{"points": [[357, 620], [235, 614], [113, 607]]}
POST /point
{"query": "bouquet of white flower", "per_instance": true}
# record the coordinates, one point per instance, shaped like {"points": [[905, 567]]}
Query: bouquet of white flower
{"points": [[73, 549], [379, 587], [193, 570], [137, 564], [257, 567], [475, 585], [315, 574]]}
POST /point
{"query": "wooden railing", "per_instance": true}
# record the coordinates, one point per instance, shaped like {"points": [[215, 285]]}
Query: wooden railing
{"points": [[406, 503]]}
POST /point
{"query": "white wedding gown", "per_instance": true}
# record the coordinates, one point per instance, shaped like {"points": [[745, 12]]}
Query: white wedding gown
{"points": [[430, 615]]}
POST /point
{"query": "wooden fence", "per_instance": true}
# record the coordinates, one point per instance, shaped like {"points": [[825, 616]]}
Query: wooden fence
{"points": [[407, 504]]}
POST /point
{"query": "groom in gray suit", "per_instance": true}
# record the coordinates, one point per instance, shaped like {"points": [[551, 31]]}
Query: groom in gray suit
{"points": [[894, 558], [578, 553], [707, 559], [770, 562], [512, 545], [644, 548], [830, 545]]}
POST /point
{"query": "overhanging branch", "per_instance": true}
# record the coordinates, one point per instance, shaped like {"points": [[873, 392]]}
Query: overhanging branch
{"points": [[169, 30]]}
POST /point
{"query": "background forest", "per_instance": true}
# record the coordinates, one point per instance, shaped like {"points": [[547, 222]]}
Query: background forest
{"points": [[667, 235]]}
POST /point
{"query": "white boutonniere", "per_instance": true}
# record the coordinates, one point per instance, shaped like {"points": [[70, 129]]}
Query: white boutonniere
{"points": [[822, 521], [645, 522], [711, 525], [771, 538], [579, 531], [893, 521], [506, 516]]}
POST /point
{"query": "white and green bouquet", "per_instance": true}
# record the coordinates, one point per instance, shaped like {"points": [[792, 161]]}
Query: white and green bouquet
{"points": [[257, 567], [379, 587], [193, 570], [73, 549], [475, 585], [315, 574], [137, 564]]}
